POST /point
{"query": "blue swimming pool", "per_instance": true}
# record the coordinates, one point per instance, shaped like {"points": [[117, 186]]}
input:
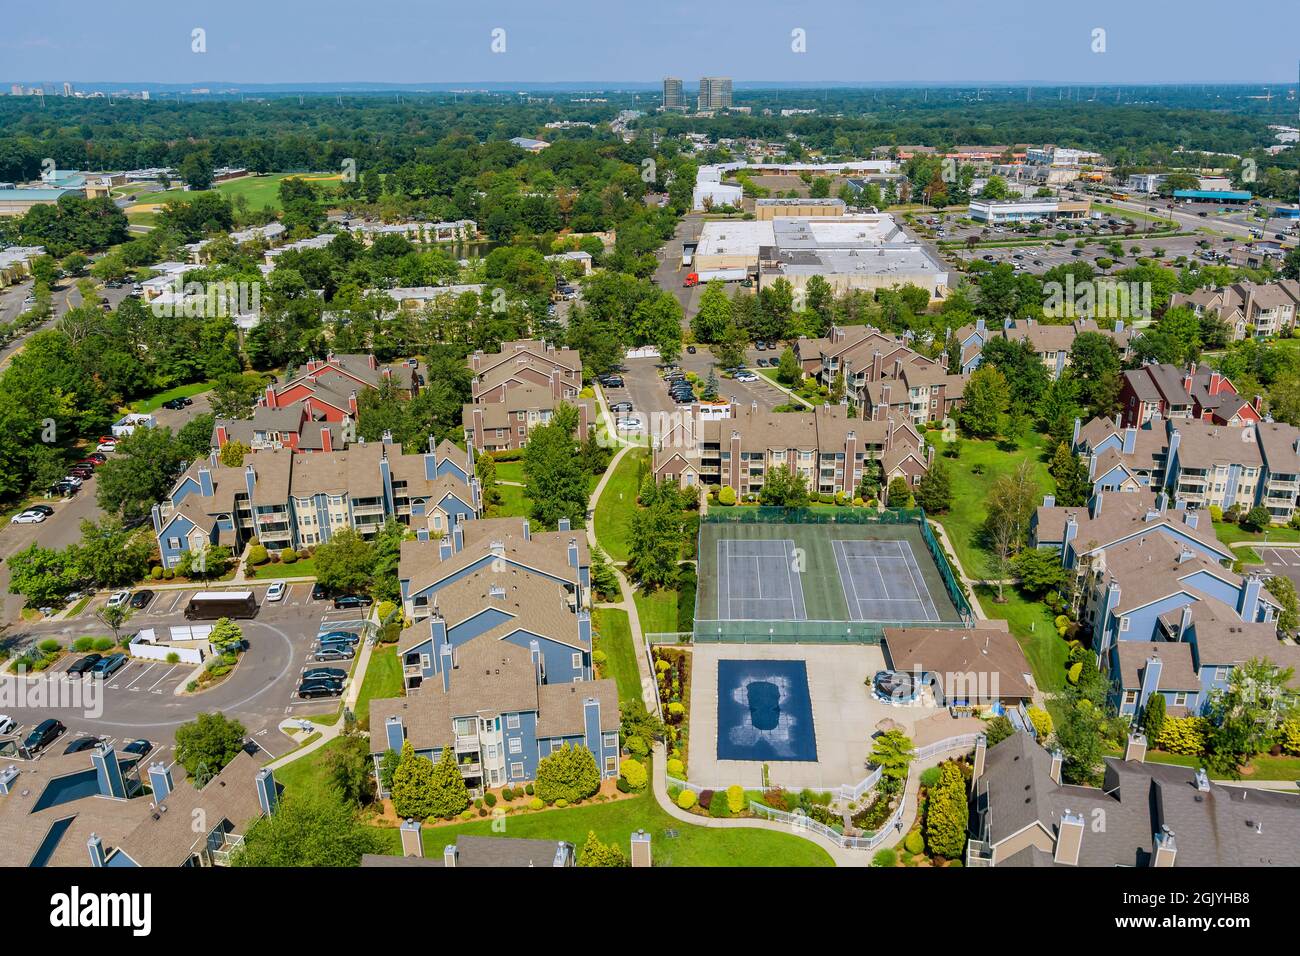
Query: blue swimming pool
{"points": [[765, 711]]}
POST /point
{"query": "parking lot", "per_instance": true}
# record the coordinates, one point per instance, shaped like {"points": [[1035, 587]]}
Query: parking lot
{"points": [[1281, 562], [147, 699], [644, 386], [1046, 255]]}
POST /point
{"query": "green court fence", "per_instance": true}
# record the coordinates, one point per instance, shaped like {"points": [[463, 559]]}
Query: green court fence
{"points": [[829, 515], [804, 632]]}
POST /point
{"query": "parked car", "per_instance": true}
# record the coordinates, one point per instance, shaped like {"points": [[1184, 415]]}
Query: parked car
{"points": [[276, 591], [30, 516], [334, 652], [118, 598], [760, 346], [337, 637], [139, 748], [109, 665], [352, 601], [614, 381], [746, 377], [93, 462], [80, 667], [690, 350], [319, 592], [620, 407], [325, 673], [629, 424], [64, 488], [140, 599], [320, 688], [43, 734], [7, 725], [176, 404], [82, 744]]}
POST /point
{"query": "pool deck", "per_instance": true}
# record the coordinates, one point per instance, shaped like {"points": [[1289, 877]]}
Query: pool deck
{"points": [[845, 715]]}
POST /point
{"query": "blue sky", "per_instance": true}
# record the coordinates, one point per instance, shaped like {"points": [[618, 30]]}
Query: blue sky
{"points": [[440, 41]]}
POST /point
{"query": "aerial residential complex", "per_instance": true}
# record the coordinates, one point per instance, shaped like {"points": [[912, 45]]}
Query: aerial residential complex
{"points": [[519, 388]]}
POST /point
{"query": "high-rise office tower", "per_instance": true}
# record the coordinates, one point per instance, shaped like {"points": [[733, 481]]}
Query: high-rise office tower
{"points": [[674, 98], [715, 93]]}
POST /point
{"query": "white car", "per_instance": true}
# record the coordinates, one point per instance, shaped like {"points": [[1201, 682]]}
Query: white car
{"points": [[72, 480], [118, 598], [28, 517], [629, 424], [105, 447], [275, 591], [746, 377], [7, 725]]}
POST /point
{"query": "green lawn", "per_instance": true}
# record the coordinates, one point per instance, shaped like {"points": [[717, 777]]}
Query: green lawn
{"points": [[618, 503], [510, 471], [614, 637], [154, 402], [383, 679], [616, 822], [514, 503], [309, 773], [1263, 767], [1032, 624], [657, 610], [1229, 533], [965, 520], [808, 391], [260, 191], [302, 568]]}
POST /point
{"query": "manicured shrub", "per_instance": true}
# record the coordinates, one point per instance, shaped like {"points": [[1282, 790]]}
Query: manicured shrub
{"points": [[83, 644], [676, 768], [686, 799], [622, 785], [173, 658], [705, 798], [258, 555], [103, 643], [885, 857], [929, 777], [735, 798], [536, 803], [636, 746], [561, 803], [507, 794], [1041, 720], [1184, 735], [569, 773], [156, 572], [914, 843], [490, 799], [718, 806], [49, 646], [528, 789], [288, 556], [727, 495], [635, 773], [599, 657]]}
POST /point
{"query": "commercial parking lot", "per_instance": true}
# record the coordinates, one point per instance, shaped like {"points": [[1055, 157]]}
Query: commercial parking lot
{"points": [[1281, 562], [146, 699], [1043, 256]]}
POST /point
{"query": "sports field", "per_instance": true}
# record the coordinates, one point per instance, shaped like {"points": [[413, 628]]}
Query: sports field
{"points": [[775, 572]]}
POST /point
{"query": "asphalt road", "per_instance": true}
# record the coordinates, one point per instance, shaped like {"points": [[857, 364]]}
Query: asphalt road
{"points": [[669, 275], [1281, 562], [139, 700]]}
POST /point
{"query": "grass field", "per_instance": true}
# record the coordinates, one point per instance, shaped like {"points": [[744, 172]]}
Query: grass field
{"points": [[302, 568], [259, 191], [618, 503], [510, 471], [973, 475], [616, 822], [154, 402], [383, 679], [1032, 624], [1229, 533], [513, 503], [614, 637], [309, 773]]}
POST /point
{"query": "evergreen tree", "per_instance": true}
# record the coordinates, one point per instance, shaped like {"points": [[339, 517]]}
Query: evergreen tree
{"points": [[946, 814], [1072, 485], [569, 773], [986, 398], [595, 853], [934, 493]]}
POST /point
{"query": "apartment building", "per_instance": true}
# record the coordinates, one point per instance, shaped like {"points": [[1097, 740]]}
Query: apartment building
{"points": [[828, 448], [1253, 310], [715, 93], [1156, 815], [92, 809], [1197, 391], [273, 232], [883, 376], [428, 564], [674, 98], [1200, 463], [1051, 343], [518, 389], [494, 697], [287, 500], [417, 231]]}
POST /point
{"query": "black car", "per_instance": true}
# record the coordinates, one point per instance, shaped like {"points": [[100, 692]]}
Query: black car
{"points": [[82, 743], [140, 599], [352, 601], [63, 488], [309, 689], [325, 673], [690, 350], [47, 510], [176, 404], [614, 382], [45, 733], [84, 666], [139, 748], [319, 592]]}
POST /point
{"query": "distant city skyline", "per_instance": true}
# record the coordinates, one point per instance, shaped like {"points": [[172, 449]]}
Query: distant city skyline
{"points": [[410, 42]]}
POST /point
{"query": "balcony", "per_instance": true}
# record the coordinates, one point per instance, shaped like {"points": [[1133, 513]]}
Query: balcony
{"points": [[221, 855], [467, 744]]}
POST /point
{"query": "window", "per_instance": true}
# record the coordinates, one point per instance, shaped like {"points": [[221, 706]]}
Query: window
{"points": [[174, 544], [512, 722], [1180, 699], [1123, 623], [1130, 697], [611, 764], [577, 661], [1221, 674], [491, 752], [424, 661], [611, 740], [516, 771], [516, 746]]}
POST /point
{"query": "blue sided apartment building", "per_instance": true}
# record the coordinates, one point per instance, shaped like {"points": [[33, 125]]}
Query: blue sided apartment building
{"points": [[1152, 584]]}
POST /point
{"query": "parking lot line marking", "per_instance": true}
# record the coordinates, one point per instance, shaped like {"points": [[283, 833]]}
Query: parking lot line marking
{"points": [[161, 679], [147, 669]]}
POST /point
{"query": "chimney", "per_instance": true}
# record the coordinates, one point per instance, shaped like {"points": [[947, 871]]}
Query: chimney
{"points": [[270, 397], [563, 524], [1202, 780], [1166, 851], [449, 855], [222, 436], [205, 481], [1135, 748], [1049, 501], [96, 847], [326, 439], [1055, 771], [7, 778], [412, 845], [1130, 439], [448, 663], [539, 665], [1249, 602], [268, 795], [394, 734], [160, 780], [1190, 518], [573, 552], [1069, 839], [641, 849], [352, 404], [1094, 506], [981, 753], [108, 772], [457, 538]]}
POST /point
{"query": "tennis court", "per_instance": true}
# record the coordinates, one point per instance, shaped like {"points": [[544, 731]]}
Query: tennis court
{"points": [[757, 581], [883, 582]]}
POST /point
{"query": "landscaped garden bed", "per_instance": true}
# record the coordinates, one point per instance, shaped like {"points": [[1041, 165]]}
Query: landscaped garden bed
{"points": [[673, 677]]}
